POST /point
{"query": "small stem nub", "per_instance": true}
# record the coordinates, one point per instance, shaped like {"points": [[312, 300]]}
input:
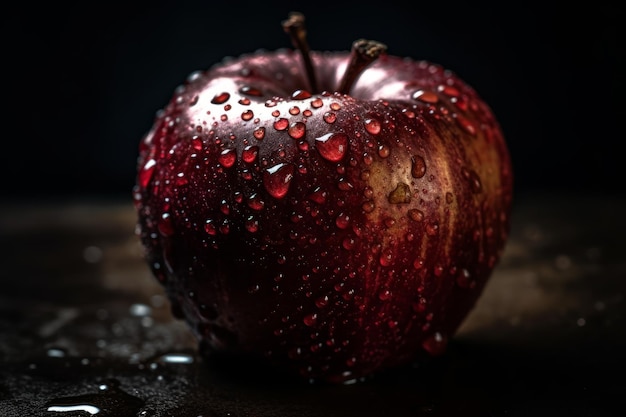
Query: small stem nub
{"points": [[363, 53], [294, 26]]}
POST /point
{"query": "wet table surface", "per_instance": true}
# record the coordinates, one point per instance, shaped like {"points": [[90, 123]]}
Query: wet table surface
{"points": [[85, 329]]}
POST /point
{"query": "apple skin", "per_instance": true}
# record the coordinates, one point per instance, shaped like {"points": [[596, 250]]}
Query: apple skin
{"points": [[333, 235]]}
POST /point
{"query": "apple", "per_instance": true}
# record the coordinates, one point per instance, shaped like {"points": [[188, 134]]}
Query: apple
{"points": [[334, 214]]}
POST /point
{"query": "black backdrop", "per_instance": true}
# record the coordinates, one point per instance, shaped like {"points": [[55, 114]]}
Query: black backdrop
{"points": [[85, 79]]}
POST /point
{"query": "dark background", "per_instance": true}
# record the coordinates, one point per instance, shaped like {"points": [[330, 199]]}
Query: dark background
{"points": [[85, 79]]}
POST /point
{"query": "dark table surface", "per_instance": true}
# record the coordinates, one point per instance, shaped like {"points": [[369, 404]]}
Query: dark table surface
{"points": [[85, 329]]}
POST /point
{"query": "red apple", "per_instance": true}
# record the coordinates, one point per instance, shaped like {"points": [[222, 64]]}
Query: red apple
{"points": [[335, 213]]}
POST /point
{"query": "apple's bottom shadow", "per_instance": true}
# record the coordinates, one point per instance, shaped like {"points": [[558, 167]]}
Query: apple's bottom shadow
{"points": [[470, 379]]}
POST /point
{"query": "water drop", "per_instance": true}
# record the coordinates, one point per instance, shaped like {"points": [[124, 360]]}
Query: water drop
{"points": [[330, 117], [227, 158], [384, 151], [418, 166], [435, 344], [145, 175], [332, 146], [210, 228], [416, 215], [342, 221], [318, 196], [281, 124], [294, 110], [165, 226], [425, 96], [252, 225], [247, 115], [277, 179], [220, 98], [310, 319], [466, 124], [473, 178], [317, 103], [297, 130], [372, 126], [250, 91], [255, 202], [259, 133], [249, 154], [300, 95]]}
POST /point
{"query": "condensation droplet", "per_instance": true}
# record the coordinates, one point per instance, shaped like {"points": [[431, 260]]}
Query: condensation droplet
{"points": [[342, 221], [281, 124], [259, 133], [418, 166], [145, 175], [277, 179], [372, 126], [250, 91], [425, 96], [297, 130], [227, 158], [416, 214], [435, 344], [249, 154], [220, 98], [247, 115], [300, 95], [332, 146], [330, 117]]}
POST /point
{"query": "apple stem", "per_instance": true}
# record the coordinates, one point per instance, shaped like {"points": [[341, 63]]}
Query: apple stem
{"points": [[294, 26], [363, 53]]}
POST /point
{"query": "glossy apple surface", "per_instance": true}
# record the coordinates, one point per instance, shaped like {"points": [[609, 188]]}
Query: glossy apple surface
{"points": [[333, 234]]}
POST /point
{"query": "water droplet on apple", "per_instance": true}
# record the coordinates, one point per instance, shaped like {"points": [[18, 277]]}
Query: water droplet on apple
{"points": [[418, 166], [473, 178], [348, 243], [297, 130], [247, 115], [255, 202], [220, 98], [425, 96], [466, 124], [435, 344], [372, 126], [384, 151], [322, 301], [318, 196], [310, 319], [330, 117], [250, 91], [281, 124], [209, 227], [277, 179], [416, 215], [196, 143], [145, 175], [250, 153], [244, 101], [227, 158], [316, 103], [259, 133], [295, 110], [332, 146], [165, 226], [400, 195], [342, 221], [368, 206], [300, 95]]}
